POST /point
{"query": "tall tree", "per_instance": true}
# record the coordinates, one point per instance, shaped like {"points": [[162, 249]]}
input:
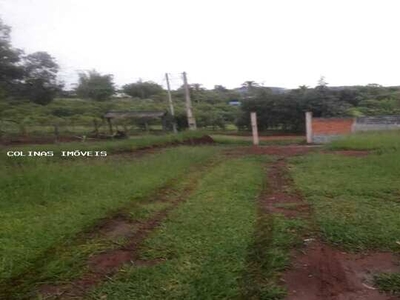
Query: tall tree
{"points": [[220, 88], [251, 88], [93, 85], [40, 82], [322, 84], [142, 89], [196, 87], [303, 88], [10, 69], [250, 84]]}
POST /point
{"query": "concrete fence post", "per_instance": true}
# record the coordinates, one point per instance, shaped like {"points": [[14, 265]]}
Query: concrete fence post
{"points": [[309, 134], [254, 128], [354, 125]]}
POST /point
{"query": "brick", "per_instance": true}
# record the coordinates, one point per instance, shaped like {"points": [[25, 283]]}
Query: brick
{"points": [[332, 126]]}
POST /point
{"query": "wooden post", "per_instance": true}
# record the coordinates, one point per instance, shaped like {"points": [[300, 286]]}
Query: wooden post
{"points": [[254, 128], [309, 134]]}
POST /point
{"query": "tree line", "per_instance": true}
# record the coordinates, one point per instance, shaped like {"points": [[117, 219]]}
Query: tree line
{"points": [[286, 111], [31, 76]]}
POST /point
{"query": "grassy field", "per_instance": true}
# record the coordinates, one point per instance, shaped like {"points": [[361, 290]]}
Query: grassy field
{"points": [[382, 141], [215, 242], [214, 245], [44, 203], [356, 199]]}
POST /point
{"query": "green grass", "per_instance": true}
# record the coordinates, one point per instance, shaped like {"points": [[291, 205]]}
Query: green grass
{"points": [[356, 200], [67, 261], [204, 243], [111, 146], [383, 141], [46, 203], [247, 140], [388, 282]]}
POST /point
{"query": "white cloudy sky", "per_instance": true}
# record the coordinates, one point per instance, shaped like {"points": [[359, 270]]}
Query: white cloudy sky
{"points": [[276, 42]]}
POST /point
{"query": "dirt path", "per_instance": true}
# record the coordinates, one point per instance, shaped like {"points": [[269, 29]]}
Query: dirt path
{"points": [[291, 150], [319, 271], [261, 137], [281, 151]]}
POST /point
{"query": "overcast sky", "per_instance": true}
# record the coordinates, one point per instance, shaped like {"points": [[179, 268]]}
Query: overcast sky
{"points": [[283, 43]]}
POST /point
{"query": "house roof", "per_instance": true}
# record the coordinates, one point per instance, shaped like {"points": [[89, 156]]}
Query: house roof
{"points": [[144, 114]]}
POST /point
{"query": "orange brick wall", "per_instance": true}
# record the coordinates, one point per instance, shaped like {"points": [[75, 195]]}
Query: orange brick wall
{"points": [[322, 126]]}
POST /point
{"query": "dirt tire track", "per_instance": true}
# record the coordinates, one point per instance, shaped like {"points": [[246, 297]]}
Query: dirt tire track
{"points": [[292, 150], [104, 265], [321, 272], [281, 197], [281, 151], [116, 225]]}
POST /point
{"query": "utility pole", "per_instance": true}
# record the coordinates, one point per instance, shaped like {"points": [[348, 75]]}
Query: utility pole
{"points": [[189, 112], [171, 106]]}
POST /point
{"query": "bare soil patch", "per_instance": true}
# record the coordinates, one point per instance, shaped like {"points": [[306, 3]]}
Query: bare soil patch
{"points": [[322, 272], [281, 197], [112, 228], [282, 151], [279, 137], [291, 150]]}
